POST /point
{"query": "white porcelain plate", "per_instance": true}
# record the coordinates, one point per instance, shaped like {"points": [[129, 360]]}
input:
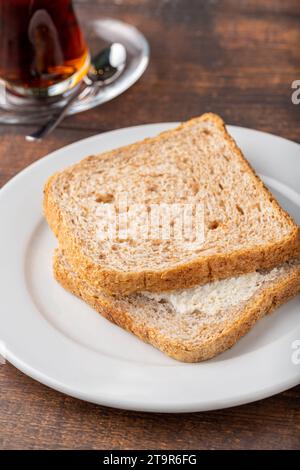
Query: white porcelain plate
{"points": [[58, 340]]}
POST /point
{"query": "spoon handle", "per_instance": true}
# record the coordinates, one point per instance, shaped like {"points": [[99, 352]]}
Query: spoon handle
{"points": [[56, 119]]}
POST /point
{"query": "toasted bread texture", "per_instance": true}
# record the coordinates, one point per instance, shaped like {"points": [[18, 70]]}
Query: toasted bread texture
{"points": [[197, 163], [195, 324]]}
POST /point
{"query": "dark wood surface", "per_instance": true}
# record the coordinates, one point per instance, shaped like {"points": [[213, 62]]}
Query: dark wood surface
{"points": [[236, 58]]}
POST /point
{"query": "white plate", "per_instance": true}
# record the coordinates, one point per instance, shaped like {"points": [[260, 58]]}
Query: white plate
{"points": [[58, 340]]}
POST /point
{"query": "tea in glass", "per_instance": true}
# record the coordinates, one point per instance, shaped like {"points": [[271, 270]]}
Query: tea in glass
{"points": [[42, 48]]}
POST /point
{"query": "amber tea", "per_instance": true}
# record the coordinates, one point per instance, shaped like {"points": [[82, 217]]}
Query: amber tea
{"points": [[42, 49]]}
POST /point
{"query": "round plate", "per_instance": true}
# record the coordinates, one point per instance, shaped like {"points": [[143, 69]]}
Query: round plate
{"points": [[99, 32], [58, 340]]}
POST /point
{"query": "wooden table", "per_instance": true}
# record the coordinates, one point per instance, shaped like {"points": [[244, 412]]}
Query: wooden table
{"points": [[236, 58]]}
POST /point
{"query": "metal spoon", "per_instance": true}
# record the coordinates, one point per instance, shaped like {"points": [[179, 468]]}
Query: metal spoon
{"points": [[105, 68]]}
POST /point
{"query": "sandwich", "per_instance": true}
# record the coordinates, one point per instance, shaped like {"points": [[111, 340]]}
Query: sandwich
{"points": [[191, 296]]}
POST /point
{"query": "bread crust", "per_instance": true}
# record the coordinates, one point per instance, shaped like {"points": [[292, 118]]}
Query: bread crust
{"points": [[198, 271], [270, 297]]}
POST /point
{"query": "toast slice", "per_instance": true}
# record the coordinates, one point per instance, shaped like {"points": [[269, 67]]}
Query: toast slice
{"points": [[195, 324], [197, 163]]}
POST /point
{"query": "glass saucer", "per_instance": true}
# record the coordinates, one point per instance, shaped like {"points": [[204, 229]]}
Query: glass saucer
{"points": [[100, 32]]}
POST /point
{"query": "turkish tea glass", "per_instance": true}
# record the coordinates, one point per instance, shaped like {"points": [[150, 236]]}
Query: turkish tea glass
{"points": [[42, 48]]}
